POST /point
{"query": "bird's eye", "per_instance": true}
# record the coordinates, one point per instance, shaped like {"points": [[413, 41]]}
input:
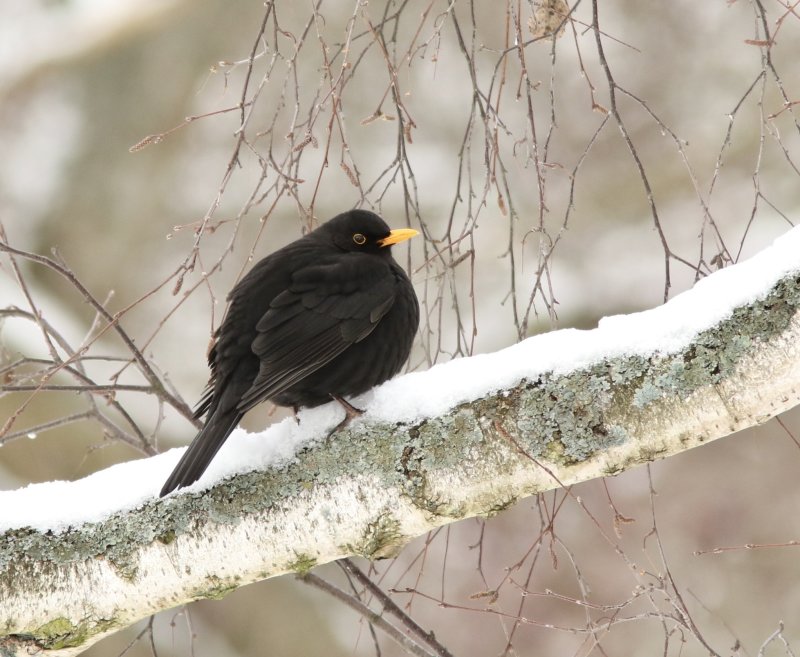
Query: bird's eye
{"points": [[359, 239]]}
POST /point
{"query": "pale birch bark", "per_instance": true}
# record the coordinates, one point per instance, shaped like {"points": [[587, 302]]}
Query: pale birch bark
{"points": [[372, 488]]}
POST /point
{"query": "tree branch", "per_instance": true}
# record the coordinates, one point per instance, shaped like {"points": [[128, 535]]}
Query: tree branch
{"points": [[375, 486]]}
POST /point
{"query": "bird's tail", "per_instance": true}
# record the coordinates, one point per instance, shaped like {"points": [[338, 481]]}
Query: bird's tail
{"points": [[203, 448]]}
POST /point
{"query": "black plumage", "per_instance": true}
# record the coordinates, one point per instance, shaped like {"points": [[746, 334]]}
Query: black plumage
{"points": [[329, 315]]}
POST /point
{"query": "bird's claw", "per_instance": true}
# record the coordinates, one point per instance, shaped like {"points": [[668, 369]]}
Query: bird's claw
{"points": [[351, 412]]}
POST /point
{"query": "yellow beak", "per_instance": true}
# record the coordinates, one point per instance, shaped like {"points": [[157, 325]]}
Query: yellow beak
{"points": [[398, 235]]}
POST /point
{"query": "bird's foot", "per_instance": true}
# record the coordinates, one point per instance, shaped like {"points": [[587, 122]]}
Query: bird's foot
{"points": [[351, 412]]}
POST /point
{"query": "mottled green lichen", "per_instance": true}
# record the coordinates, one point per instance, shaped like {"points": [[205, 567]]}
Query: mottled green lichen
{"points": [[715, 354], [424, 454], [214, 589], [302, 564], [60, 633], [500, 506], [647, 393], [563, 418], [380, 539]]}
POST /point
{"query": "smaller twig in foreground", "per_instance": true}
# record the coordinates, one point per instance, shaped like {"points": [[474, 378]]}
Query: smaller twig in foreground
{"points": [[359, 607]]}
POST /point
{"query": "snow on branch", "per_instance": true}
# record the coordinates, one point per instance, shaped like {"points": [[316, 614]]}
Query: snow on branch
{"points": [[81, 560]]}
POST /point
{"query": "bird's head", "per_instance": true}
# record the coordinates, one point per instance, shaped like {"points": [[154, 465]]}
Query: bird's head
{"points": [[364, 231]]}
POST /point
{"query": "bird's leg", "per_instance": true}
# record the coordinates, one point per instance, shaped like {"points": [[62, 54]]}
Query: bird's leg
{"points": [[350, 410]]}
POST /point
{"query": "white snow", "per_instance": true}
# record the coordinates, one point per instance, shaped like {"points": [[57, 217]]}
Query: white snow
{"points": [[57, 505]]}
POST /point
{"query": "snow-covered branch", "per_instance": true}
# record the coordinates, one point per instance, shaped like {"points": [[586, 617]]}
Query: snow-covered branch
{"points": [[572, 406]]}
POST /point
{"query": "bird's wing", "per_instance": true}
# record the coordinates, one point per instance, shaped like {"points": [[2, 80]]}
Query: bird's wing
{"points": [[328, 307]]}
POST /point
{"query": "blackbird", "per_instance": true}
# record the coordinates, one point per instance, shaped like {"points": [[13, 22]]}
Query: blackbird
{"points": [[328, 316]]}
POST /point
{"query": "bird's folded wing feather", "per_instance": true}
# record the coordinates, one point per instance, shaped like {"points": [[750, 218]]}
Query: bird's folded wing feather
{"points": [[327, 308]]}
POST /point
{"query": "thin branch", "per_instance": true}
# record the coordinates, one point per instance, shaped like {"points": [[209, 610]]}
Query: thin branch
{"points": [[405, 642]]}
